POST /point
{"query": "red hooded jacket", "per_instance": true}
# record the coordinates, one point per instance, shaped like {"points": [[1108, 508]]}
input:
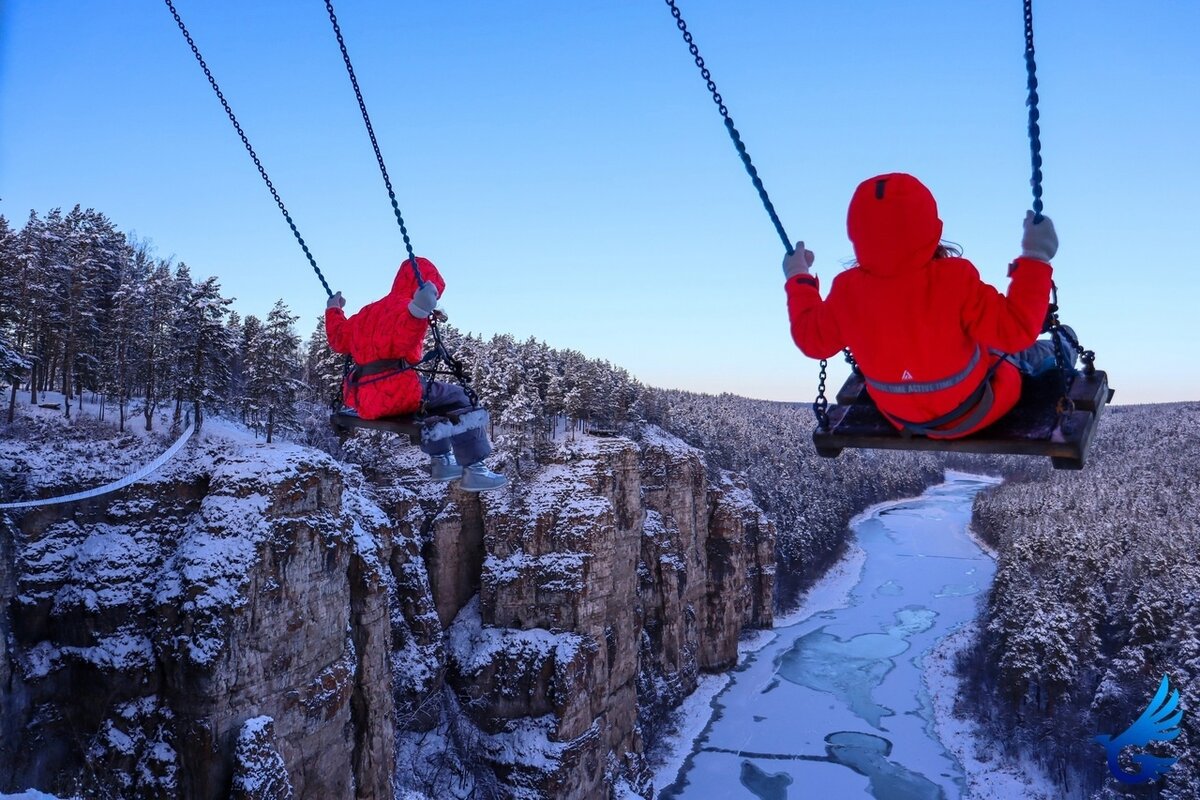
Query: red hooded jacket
{"points": [[922, 329], [381, 330]]}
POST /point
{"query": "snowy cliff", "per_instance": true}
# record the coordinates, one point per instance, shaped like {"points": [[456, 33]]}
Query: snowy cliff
{"points": [[263, 621], [147, 629]]}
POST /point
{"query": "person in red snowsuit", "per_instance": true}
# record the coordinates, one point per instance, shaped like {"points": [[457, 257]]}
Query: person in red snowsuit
{"points": [[384, 338], [930, 337]]}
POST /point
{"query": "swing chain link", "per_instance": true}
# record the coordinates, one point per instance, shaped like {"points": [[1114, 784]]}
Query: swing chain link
{"points": [[1035, 141], [249, 149], [456, 367], [820, 406], [729, 126], [362, 107]]}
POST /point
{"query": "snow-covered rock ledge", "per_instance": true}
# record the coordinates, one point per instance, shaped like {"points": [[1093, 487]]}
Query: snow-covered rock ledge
{"points": [[144, 628]]}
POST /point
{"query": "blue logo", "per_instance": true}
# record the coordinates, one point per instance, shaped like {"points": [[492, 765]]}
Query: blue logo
{"points": [[1158, 723]]}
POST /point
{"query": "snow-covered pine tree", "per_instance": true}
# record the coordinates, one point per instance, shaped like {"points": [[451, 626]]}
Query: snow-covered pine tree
{"points": [[278, 368], [44, 286], [157, 361], [97, 253], [556, 396], [119, 347], [181, 361], [233, 391], [252, 364], [498, 371], [323, 368], [12, 364], [207, 346], [518, 422]]}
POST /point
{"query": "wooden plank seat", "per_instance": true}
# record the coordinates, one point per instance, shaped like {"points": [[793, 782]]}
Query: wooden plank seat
{"points": [[346, 421], [1032, 428]]}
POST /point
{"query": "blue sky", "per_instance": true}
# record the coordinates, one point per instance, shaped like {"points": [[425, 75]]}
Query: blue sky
{"points": [[563, 164]]}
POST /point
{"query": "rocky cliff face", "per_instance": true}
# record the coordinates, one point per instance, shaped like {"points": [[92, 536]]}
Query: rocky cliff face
{"points": [[147, 628], [264, 622], [609, 580]]}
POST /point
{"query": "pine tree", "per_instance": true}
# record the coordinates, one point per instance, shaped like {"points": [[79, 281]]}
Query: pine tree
{"points": [[252, 364], [278, 369], [517, 423], [207, 346], [323, 368], [97, 253], [43, 287], [233, 392], [12, 364], [157, 362]]}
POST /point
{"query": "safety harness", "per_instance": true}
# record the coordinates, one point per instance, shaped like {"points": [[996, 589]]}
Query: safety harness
{"points": [[965, 416]]}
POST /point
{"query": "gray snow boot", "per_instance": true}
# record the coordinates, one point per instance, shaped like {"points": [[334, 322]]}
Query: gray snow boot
{"points": [[478, 478], [444, 468]]}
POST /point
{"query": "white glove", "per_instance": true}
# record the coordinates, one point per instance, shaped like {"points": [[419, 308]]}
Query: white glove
{"points": [[336, 301], [799, 262], [424, 301], [1039, 240]]}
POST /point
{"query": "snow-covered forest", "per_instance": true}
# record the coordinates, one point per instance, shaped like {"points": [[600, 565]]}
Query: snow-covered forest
{"points": [[93, 310], [1096, 597]]}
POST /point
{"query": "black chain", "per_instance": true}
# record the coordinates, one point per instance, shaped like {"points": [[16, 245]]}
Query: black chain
{"points": [[820, 406], [246, 142], [431, 373], [1056, 329], [456, 366], [362, 107], [733, 131], [1035, 132]]}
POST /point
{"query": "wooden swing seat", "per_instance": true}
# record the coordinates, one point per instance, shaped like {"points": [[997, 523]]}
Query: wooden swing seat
{"points": [[346, 421], [1032, 428]]}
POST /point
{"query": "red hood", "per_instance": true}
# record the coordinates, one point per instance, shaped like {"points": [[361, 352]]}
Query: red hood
{"points": [[893, 223], [405, 284]]}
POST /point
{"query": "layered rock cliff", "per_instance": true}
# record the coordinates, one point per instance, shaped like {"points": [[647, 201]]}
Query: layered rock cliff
{"points": [[266, 622], [148, 628]]}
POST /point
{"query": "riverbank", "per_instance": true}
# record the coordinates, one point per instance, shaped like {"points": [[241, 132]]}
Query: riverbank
{"points": [[988, 774]]}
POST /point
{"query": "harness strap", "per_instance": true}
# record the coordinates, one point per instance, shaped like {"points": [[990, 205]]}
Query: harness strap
{"points": [[374, 371], [966, 415], [923, 387]]}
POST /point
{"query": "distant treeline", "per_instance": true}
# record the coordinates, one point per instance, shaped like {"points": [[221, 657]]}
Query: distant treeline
{"points": [[85, 307]]}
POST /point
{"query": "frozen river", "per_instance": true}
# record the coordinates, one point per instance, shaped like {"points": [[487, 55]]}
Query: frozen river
{"points": [[834, 706]]}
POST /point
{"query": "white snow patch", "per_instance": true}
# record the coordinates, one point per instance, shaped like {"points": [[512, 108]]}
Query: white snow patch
{"points": [[473, 646], [833, 589], [557, 572], [988, 776], [654, 436], [689, 720]]}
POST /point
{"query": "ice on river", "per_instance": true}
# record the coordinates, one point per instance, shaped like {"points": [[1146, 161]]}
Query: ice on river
{"points": [[836, 700]]}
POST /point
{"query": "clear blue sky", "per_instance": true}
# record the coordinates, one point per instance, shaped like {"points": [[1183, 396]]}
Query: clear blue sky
{"points": [[564, 166]]}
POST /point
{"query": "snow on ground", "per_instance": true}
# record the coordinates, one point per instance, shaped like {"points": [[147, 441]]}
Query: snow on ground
{"points": [[688, 723], [45, 453], [989, 777]]}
